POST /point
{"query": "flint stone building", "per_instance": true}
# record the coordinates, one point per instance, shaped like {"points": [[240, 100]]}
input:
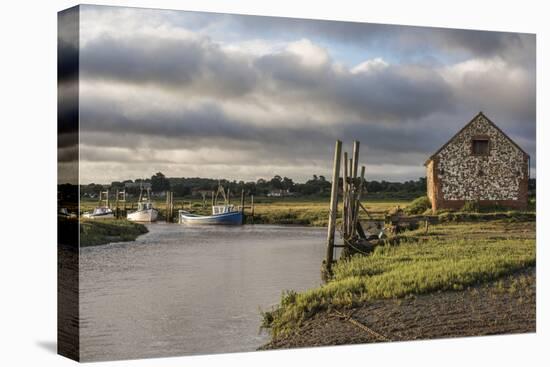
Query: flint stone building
{"points": [[480, 163]]}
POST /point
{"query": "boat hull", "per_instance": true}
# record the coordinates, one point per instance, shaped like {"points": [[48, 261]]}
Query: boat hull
{"points": [[99, 216], [149, 215], [233, 218]]}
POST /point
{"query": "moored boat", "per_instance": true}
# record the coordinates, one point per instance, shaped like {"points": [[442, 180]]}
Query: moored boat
{"points": [[145, 211], [221, 214], [101, 212]]}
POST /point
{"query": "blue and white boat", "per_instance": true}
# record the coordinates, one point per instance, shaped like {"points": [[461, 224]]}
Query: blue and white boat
{"points": [[221, 214]]}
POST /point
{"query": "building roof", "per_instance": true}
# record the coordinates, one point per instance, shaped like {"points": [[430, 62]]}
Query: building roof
{"points": [[465, 127]]}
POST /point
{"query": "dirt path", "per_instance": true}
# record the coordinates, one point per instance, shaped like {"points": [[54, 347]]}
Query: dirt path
{"points": [[500, 307]]}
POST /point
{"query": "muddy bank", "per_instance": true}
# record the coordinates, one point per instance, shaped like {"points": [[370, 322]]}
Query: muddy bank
{"points": [[499, 307]]}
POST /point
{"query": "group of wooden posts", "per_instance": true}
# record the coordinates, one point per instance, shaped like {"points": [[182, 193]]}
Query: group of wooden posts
{"points": [[120, 202], [120, 207], [351, 185]]}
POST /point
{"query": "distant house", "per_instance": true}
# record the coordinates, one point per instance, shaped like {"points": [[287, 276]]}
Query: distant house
{"points": [[480, 163], [279, 193]]}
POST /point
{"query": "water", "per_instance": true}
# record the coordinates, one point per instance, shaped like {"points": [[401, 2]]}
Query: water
{"points": [[191, 290]]}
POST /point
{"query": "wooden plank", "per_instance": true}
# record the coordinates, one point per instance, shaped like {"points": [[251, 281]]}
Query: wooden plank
{"points": [[333, 205]]}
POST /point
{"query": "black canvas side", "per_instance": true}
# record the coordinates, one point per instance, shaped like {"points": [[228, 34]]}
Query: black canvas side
{"points": [[68, 320]]}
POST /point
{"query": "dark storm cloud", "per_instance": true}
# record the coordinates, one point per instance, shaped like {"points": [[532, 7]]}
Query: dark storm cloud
{"points": [[202, 67], [171, 63]]}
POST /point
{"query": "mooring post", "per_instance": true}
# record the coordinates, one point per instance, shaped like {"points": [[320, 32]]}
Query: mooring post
{"points": [[355, 158], [358, 200], [333, 205], [345, 194], [252, 209], [167, 206], [171, 206], [242, 205]]}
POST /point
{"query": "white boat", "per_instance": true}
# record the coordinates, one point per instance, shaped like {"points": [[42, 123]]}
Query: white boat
{"points": [[101, 212], [221, 214], [145, 211]]}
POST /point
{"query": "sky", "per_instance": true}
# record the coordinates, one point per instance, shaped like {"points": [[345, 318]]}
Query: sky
{"points": [[195, 94]]}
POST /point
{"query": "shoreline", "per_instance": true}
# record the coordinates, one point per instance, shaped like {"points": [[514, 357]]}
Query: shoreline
{"points": [[503, 306], [101, 232]]}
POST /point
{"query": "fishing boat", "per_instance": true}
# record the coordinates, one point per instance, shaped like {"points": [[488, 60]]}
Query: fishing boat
{"points": [[145, 211], [101, 212], [221, 214]]}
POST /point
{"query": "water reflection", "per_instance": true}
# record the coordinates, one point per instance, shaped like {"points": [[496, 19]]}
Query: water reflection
{"points": [[182, 290]]}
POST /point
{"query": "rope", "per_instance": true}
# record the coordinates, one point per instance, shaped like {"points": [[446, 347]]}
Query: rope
{"points": [[355, 248], [362, 326]]}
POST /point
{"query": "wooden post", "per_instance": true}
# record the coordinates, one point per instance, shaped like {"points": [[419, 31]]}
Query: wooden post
{"points": [[252, 205], [171, 206], [345, 194], [333, 205], [356, 206], [355, 159], [242, 201], [349, 197], [242, 205]]}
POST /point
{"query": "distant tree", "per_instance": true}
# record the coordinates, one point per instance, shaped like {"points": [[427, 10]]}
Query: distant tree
{"points": [[276, 183], [159, 183], [287, 184]]}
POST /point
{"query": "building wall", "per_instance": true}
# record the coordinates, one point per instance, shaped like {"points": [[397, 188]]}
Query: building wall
{"points": [[500, 177]]}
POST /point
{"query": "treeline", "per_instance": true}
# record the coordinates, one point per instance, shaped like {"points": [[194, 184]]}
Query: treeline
{"points": [[276, 186]]}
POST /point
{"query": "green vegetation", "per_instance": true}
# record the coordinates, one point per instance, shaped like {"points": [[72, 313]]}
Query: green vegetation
{"points": [[471, 207], [316, 186], [419, 205], [450, 257], [103, 231]]}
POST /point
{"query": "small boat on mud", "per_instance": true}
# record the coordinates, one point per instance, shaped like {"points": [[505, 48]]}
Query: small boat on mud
{"points": [[221, 214], [145, 211], [101, 212]]}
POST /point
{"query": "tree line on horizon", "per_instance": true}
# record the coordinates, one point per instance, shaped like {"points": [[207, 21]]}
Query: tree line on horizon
{"points": [[317, 185]]}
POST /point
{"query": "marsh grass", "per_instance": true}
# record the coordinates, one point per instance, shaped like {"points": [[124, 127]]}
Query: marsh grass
{"points": [[103, 231], [399, 271]]}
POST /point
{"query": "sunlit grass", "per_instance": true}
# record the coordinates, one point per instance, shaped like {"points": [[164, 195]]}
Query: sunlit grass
{"points": [[399, 271]]}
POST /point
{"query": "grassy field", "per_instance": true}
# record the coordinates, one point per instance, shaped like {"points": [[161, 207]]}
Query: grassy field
{"points": [[103, 231], [296, 211], [451, 256]]}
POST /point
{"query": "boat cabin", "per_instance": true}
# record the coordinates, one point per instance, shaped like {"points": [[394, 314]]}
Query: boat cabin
{"points": [[102, 210], [223, 209], [145, 205]]}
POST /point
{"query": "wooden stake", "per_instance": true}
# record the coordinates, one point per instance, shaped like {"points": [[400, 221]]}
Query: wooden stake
{"points": [[355, 159], [333, 205], [252, 205], [359, 192], [345, 189]]}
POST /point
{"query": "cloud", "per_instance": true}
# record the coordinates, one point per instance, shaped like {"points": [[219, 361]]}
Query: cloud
{"points": [[177, 93]]}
